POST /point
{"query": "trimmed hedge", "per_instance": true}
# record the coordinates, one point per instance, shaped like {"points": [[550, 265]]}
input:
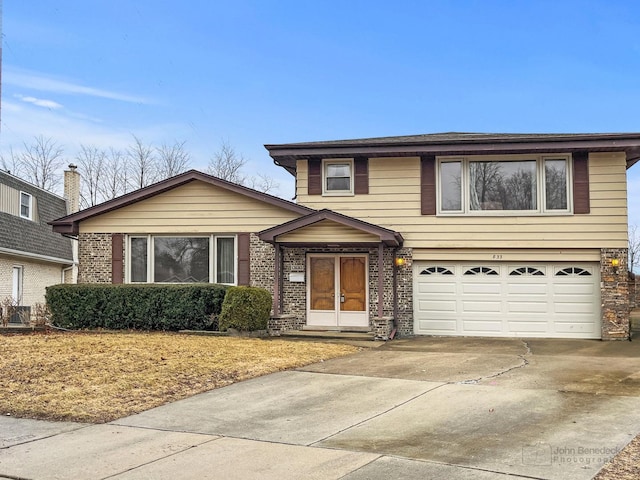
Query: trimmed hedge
{"points": [[140, 307], [246, 309]]}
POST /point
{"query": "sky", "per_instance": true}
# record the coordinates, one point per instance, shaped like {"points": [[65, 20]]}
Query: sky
{"points": [[255, 72]]}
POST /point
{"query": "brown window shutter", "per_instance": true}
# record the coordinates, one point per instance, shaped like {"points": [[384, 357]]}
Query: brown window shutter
{"points": [[428, 185], [117, 267], [314, 177], [361, 178], [581, 201], [244, 274]]}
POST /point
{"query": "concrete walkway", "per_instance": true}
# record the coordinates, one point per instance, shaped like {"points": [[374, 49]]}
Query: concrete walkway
{"points": [[437, 408]]}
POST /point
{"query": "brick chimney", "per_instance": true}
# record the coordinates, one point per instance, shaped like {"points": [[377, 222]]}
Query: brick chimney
{"points": [[72, 188]]}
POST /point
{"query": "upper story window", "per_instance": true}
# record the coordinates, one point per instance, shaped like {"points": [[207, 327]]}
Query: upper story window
{"points": [[487, 185], [177, 259], [338, 177], [25, 205]]}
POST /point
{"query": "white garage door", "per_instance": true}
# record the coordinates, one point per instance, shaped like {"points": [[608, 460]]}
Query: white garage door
{"points": [[507, 300]]}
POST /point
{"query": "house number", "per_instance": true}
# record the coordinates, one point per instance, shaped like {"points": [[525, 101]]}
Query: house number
{"points": [[497, 257]]}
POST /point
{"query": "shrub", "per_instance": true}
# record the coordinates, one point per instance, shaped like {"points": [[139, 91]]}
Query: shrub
{"points": [[246, 309], [143, 307]]}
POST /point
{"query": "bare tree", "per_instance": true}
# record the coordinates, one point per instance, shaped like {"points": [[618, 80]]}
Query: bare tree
{"points": [[227, 164], [11, 163], [40, 162], [172, 159], [263, 183], [142, 164], [634, 247], [114, 175], [91, 162]]}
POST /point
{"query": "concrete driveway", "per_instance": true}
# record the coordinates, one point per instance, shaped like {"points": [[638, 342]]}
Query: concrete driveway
{"points": [[437, 408]]}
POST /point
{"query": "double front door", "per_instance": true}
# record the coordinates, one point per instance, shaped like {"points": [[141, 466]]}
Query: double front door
{"points": [[337, 291]]}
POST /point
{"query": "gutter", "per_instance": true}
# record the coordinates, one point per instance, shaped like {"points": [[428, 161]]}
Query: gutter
{"points": [[36, 256]]}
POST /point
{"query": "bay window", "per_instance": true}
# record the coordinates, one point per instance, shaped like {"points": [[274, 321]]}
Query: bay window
{"points": [[482, 185], [182, 259]]}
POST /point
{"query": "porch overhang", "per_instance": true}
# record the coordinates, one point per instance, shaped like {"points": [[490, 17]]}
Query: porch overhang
{"points": [[338, 231], [374, 235]]}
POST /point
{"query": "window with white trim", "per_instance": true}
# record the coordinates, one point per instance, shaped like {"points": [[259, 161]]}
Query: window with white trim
{"points": [[337, 177], [26, 201], [182, 259], [484, 185]]}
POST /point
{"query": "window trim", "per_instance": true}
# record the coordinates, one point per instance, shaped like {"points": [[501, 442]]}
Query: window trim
{"points": [[17, 284], [326, 162], [213, 252], [540, 186], [30, 206]]}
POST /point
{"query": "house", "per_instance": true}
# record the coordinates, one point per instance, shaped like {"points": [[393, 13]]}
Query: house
{"points": [[442, 234], [32, 256]]}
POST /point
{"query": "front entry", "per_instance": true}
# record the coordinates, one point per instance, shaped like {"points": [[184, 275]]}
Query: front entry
{"points": [[337, 294]]}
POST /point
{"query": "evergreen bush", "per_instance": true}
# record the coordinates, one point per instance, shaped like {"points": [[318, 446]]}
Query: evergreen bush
{"points": [[246, 309]]}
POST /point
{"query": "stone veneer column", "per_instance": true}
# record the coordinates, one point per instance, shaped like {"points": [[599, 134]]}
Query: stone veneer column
{"points": [[94, 255], [261, 265], [615, 294], [294, 294], [404, 292]]}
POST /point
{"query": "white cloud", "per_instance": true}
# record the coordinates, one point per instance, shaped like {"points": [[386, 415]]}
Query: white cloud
{"points": [[22, 121], [39, 102], [44, 83]]}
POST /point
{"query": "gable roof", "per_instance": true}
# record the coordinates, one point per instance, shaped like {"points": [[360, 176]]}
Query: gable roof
{"points": [[388, 237], [457, 143], [34, 238], [69, 225]]}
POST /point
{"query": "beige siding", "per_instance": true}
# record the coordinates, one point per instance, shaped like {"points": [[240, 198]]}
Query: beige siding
{"points": [[394, 202], [508, 255], [10, 202], [327, 231], [196, 207]]}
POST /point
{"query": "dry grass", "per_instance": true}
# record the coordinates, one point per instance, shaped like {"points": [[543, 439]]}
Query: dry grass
{"points": [[625, 465], [100, 377]]}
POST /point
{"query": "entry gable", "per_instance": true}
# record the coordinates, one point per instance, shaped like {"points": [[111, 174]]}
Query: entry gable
{"points": [[328, 228]]}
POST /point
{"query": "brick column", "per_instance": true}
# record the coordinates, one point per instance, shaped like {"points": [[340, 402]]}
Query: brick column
{"points": [[404, 293], [94, 252], [615, 294]]}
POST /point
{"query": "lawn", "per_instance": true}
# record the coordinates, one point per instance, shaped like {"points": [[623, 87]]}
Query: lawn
{"points": [[99, 377]]}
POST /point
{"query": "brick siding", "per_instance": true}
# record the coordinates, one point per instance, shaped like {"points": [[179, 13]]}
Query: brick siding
{"points": [[94, 254], [615, 294], [294, 294], [36, 276]]}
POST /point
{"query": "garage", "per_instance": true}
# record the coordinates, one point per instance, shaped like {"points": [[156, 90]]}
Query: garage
{"points": [[556, 300]]}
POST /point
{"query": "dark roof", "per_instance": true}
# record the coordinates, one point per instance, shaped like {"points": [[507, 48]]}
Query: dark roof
{"points": [[35, 237], [388, 237], [458, 143], [70, 224]]}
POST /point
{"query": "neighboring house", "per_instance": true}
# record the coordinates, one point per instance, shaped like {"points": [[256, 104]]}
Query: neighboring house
{"points": [[443, 234], [32, 256]]}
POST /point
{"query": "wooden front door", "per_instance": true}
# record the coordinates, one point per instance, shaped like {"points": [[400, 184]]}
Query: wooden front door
{"points": [[337, 291]]}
